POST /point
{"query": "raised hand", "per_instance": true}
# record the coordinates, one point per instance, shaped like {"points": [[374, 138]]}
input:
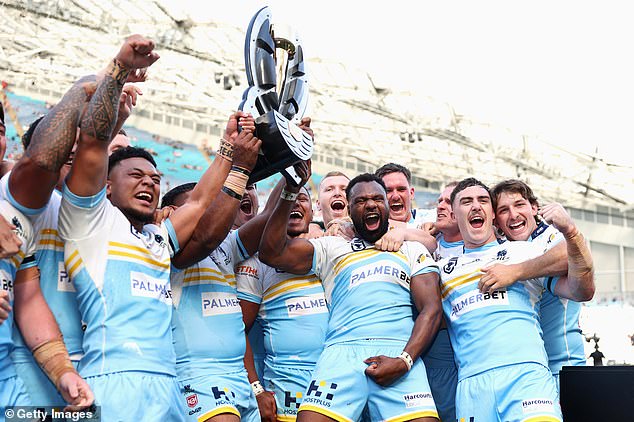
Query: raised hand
{"points": [[137, 52], [245, 150], [556, 215]]}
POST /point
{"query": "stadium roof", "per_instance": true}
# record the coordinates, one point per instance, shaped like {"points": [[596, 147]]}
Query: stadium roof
{"points": [[200, 74]]}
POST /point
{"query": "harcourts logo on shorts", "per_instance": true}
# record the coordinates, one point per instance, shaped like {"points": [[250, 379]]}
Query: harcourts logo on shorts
{"points": [[538, 405], [219, 303], [475, 300], [386, 271], [320, 393], [147, 286], [306, 305], [418, 400]]}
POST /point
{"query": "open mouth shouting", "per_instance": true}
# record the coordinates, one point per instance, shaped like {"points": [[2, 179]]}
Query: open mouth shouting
{"points": [[338, 206], [295, 216], [145, 197], [517, 226], [372, 221], [397, 207], [246, 206], [476, 221]]}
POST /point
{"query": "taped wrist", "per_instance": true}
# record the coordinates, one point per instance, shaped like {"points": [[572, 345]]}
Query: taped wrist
{"points": [[53, 358], [578, 253], [225, 150], [236, 182]]}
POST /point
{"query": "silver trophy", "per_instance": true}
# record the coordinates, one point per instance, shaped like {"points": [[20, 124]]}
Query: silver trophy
{"points": [[276, 97]]}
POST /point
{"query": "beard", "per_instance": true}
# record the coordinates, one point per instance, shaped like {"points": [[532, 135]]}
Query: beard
{"points": [[144, 217], [370, 236]]}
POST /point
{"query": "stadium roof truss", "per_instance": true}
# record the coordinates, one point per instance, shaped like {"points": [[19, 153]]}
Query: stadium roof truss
{"points": [[52, 43]]}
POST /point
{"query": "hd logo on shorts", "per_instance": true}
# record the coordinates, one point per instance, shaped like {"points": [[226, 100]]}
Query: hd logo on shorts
{"points": [[473, 300], [320, 394], [471, 419], [291, 400], [222, 396], [384, 270]]}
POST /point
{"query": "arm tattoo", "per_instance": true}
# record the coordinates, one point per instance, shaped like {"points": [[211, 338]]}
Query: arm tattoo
{"points": [[101, 116], [55, 135]]}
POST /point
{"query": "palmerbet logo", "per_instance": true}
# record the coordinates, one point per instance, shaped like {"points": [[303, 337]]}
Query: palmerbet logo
{"points": [[217, 303], [384, 270], [148, 286], [474, 300], [306, 305]]}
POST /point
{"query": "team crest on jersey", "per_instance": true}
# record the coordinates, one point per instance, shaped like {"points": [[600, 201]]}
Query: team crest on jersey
{"points": [[187, 389], [357, 244], [449, 266]]}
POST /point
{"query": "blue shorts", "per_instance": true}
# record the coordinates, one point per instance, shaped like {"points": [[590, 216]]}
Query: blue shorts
{"points": [[137, 396], [206, 396], [340, 389], [38, 386], [514, 393], [442, 374], [12, 393], [289, 385]]}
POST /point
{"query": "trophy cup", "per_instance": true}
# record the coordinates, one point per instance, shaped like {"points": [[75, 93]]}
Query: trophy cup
{"points": [[276, 97]]}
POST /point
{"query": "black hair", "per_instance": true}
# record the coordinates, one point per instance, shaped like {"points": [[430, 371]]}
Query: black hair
{"points": [[394, 168], [128, 152], [26, 138], [467, 183], [364, 177], [170, 197]]}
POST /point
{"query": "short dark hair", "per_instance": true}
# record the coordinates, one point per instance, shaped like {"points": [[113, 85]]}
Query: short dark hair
{"points": [[170, 197], [26, 138], [128, 152], [513, 186], [467, 183], [364, 178], [394, 168]]}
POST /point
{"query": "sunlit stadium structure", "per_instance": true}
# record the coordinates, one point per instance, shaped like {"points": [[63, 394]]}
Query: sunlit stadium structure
{"points": [[47, 44]]}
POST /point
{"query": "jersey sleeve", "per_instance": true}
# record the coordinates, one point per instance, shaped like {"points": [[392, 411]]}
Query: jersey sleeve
{"points": [[249, 280], [320, 255], [236, 248], [81, 217], [421, 261]]}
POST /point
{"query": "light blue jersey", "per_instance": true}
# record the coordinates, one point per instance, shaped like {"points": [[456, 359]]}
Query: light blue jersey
{"points": [[368, 289], [447, 249], [8, 270], [122, 281], [559, 317], [61, 297], [208, 328], [293, 312], [490, 330]]}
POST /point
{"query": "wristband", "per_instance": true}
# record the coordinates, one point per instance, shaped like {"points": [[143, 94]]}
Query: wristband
{"points": [[231, 193], [240, 170], [53, 358], [257, 388], [288, 196], [405, 357]]}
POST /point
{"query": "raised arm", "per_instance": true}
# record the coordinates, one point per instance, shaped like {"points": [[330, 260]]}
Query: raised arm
{"points": [[578, 285], [426, 295], [276, 248], [90, 168], [35, 175], [42, 335], [187, 216]]}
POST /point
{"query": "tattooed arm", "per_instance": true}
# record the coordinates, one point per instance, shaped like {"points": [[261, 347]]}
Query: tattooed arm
{"points": [[35, 175], [90, 167]]}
